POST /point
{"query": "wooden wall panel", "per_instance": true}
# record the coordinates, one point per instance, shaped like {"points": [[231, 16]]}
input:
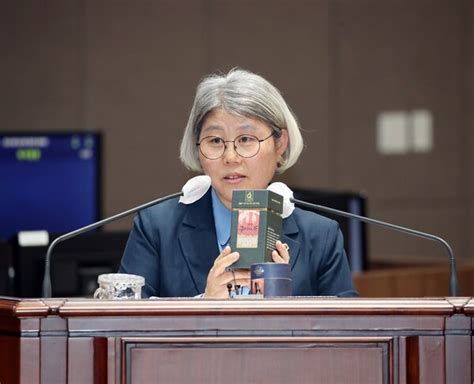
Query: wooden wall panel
{"points": [[80, 368], [400, 55], [144, 60], [10, 368], [41, 67], [327, 340], [442, 221], [288, 43], [470, 228], [457, 345], [432, 350], [129, 68], [339, 360], [469, 108]]}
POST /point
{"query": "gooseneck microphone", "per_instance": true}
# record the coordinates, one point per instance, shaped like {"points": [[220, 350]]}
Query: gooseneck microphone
{"points": [[192, 191], [288, 206]]}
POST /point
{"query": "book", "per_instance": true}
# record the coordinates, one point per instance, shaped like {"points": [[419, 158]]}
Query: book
{"points": [[256, 225]]}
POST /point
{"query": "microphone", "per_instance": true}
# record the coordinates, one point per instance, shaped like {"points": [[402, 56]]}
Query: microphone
{"points": [[193, 190], [289, 205]]}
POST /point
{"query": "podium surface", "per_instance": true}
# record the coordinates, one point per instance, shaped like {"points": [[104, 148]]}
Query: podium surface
{"points": [[301, 340]]}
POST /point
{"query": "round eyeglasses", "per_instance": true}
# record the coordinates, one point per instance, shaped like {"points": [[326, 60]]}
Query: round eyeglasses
{"points": [[213, 147]]}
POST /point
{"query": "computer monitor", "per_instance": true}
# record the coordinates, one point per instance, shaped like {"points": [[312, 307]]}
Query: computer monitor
{"points": [[354, 231], [75, 264], [49, 181]]}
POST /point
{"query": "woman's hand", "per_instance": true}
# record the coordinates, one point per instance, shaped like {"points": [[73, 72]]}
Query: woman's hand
{"points": [[282, 253], [218, 277]]}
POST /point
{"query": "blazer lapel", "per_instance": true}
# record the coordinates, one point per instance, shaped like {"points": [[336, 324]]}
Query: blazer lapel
{"points": [[290, 234], [198, 241]]}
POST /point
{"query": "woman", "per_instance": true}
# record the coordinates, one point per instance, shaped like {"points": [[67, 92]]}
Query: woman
{"points": [[240, 132]]}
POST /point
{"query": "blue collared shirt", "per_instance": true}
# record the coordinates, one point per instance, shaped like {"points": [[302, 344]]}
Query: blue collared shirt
{"points": [[222, 220]]}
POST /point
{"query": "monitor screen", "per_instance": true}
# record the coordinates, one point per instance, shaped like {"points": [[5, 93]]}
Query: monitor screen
{"points": [[354, 231], [49, 181]]}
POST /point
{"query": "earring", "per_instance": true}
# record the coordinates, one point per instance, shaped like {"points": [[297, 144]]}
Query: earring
{"points": [[280, 162]]}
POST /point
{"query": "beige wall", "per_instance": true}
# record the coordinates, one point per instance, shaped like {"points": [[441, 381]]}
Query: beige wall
{"points": [[468, 108], [130, 67]]}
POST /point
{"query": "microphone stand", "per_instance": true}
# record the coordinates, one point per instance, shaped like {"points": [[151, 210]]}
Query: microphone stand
{"points": [[453, 281], [47, 262]]}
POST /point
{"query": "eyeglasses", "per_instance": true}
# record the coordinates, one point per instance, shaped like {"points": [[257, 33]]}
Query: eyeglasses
{"points": [[213, 147]]}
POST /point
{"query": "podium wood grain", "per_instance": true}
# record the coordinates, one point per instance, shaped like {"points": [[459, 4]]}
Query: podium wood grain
{"points": [[304, 340]]}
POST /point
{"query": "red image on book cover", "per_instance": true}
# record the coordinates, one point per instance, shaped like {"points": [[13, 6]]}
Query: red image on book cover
{"points": [[247, 228]]}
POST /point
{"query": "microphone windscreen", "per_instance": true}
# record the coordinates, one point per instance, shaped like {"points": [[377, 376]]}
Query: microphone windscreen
{"points": [[283, 190], [195, 188]]}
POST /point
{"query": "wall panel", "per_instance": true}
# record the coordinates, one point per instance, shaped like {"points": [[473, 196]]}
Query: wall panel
{"points": [[129, 68], [144, 60], [400, 55], [288, 43], [41, 66], [397, 55], [440, 221], [469, 108]]}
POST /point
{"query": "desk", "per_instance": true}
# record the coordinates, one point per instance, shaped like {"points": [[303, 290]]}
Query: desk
{"points": [[300, 340]]}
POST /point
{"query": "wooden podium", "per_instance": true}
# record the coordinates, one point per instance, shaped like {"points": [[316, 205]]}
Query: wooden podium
{"points": [[299, 340]]}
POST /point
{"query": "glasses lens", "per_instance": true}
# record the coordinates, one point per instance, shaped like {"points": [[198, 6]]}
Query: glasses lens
{"points": [[212, 147], [247, 145]]}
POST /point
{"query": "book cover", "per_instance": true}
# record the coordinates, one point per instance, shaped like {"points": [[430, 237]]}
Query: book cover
{"points": [[256, 225]]}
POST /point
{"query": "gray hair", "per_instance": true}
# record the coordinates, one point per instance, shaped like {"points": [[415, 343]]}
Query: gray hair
{"points": [[246, 94]]}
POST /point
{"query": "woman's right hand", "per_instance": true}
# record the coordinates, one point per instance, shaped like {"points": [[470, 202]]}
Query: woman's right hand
{"points": [[218, 277]]}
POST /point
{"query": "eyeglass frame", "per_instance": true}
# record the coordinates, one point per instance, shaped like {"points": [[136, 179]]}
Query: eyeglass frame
{"points": [[198, 144]]}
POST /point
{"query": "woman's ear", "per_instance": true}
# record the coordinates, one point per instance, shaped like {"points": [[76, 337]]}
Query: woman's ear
{"points": [[282, 142]]}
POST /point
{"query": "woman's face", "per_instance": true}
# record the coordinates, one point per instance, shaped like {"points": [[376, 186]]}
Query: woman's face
{"points": [[232, 171]]}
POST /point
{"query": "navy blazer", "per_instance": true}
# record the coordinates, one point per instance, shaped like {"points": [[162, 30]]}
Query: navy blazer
{"points": [[174, 246]]}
